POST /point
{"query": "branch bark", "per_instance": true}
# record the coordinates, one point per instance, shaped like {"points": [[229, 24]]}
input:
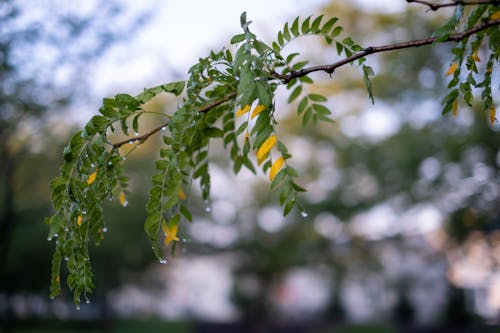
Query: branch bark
{"points": [[436, 6]]}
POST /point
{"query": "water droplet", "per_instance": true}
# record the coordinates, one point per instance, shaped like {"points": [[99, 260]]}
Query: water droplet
{"points": [[164, 128], [104, 229], [56, 235], [136, 134], [163, 261], [84, 212], [208, 209], [51, 297], [304, 214], [87, 301], [124, 158], [78, 307], [66, 229], [110, 163], [92, 165], [49, 238], [66, 258]]}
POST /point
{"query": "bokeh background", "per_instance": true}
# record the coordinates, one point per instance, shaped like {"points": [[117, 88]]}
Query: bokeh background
{"points": [[401, 231]]}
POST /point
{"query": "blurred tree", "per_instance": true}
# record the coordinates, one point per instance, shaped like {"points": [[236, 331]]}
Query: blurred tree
{"points": [[44, 48]]}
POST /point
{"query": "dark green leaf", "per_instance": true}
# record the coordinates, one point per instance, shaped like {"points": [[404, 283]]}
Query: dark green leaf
{"points": [[295, 27], [316, 23], [237, 38], [328, 25], [305, 25], [317, 98], [295, 93]]}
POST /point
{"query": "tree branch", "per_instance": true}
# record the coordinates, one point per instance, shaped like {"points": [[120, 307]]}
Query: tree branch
{"points": [[285, 78], [436, 6], [375, 49], [146, 136]]}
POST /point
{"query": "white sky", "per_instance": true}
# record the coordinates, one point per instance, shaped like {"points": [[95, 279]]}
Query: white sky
{"points": [[182, 31]]}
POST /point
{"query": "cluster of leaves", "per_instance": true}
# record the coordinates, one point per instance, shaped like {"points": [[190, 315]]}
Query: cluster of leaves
{"points": [[229, 95], [467, 52]]}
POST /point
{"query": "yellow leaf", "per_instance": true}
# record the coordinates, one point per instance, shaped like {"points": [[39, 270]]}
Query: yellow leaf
{"points": [[266, 146], [92, 177], [454, 108], [452, 69], [258, 109], [493, 113], [170, 233], [475, 57], [79, 220], [181, 194], [495, 15], [123, 199], [261, 160], [276, 167], [242, 111]]}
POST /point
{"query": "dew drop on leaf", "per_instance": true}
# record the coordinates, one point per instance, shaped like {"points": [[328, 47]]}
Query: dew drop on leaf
{"points": [[163, 261], [304, 214]]}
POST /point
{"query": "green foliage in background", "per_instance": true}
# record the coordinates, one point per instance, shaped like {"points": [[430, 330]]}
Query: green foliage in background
{"points": [[229, 96]]}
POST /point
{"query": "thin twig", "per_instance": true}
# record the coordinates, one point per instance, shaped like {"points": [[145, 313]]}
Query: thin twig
{"points": [[146, 136], [436, 6]]}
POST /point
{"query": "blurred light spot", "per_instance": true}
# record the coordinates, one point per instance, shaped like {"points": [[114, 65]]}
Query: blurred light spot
{"points": [[270, 219], [208, 232], [223, 211], [303, 292], [427, 78], [376, 223], [328, 225], [430, 168], [379, 123], [423, 113]]}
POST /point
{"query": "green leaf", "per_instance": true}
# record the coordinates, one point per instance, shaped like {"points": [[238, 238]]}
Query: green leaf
{"points": [[213, 132], [295, 27], [241, 128], [319, 108], [305, 25], [302, 105], [337, 31], [288, 206], [328, 25], [317, 98], [286, 32], [295, 93], [280, 38], [300, 65], [135, 123], [291, 56], [280, 176], [367, 72], [237, 38], [339, 47], [316, 23]]}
